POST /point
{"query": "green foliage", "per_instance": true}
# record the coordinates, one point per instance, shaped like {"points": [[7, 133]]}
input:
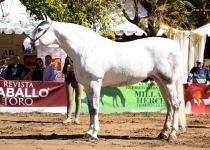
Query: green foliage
{"points": [[84, 12], [54, 8], [179, 14], [201, 14], [89, 13], [108, 34], [94, 13]]}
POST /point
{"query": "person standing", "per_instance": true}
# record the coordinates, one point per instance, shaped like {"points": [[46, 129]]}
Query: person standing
{"points": [[3, 68], [37, 74], [72, 86], [199, 74], [50, 71], [17, 71]]}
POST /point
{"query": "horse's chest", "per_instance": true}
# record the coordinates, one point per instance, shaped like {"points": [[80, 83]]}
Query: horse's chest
{"points": [[87, 72]]}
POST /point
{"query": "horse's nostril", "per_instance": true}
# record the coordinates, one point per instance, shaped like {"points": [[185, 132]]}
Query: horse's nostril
{"points": [[27, 50]]}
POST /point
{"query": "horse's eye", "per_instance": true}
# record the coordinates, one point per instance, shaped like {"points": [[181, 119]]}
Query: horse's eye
{"points": [[39, 29]]}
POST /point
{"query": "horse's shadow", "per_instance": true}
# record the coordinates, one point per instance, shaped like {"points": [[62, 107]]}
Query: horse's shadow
{"points": [[55, 136], [74, 136], [113, 92], [25, 122], [197, 126]]}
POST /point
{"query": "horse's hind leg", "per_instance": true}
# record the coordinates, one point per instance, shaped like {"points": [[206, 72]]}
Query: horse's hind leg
{"points": [[93, 93], [167, 125], [173, 109], [175, 104]]}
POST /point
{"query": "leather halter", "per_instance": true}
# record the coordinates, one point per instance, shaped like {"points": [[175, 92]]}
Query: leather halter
{"points": [[34, 40]]}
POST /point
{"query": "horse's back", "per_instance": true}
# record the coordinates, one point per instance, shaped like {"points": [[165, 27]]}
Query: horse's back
{"points": [[131, 62], [123, 63]]}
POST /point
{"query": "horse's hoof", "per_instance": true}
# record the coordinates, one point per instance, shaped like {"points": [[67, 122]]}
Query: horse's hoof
{"points": [[162, 136], [92, 139], [171, 139], [86, 136]]}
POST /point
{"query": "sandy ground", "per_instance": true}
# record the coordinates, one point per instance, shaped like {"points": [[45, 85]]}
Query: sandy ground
{"points": [[120, 131]]}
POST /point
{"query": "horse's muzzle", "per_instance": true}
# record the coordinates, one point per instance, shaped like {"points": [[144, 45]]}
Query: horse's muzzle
{"points": [[28, 46]]}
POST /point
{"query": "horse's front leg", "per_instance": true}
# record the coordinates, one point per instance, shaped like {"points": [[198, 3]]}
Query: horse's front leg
{"points": [[93, 93]]}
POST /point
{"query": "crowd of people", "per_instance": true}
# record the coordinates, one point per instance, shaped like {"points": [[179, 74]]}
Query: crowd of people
{"points": [[47, 72], [18, 71]]}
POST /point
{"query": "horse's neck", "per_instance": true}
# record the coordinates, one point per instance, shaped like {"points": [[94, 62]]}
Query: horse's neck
{"points": [[74, 39]]}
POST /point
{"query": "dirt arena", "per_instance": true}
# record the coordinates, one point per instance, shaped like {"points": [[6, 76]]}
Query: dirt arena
{"points": [[45, 131]]}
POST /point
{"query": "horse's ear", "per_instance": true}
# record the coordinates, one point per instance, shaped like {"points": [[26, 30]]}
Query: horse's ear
{"points": [[46, 17]]}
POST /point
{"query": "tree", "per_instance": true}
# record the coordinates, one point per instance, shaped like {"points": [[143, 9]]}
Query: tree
{"points": [[199, 12], [89, 13], [95, 13], [175, 13]]}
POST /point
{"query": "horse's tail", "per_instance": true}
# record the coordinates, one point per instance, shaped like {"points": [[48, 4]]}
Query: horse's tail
{"points": [[180, 93]]}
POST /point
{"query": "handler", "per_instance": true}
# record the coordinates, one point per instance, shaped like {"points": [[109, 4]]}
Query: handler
{"points": [[71, 86]]}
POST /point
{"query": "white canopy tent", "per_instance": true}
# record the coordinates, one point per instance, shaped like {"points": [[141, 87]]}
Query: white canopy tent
{"points": [[120, 25], [197, 43], [15, 24], [192, 44], [204, 30], [182, 38], [15, 19]]}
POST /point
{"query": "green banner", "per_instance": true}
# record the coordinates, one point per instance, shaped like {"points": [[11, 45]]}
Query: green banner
{"points": [[140, 97]]}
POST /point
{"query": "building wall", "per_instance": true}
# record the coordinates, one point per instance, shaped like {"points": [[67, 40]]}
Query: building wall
{"points": [[11, 45]]}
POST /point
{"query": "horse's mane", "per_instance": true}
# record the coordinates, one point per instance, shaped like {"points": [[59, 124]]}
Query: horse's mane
{"points": [[79, 28]]}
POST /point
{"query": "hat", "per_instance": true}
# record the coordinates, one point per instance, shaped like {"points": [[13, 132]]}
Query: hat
{"points": [[199, 61]]}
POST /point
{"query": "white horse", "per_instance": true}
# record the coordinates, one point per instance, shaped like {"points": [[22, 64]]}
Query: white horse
{"points": [[101, 62]]}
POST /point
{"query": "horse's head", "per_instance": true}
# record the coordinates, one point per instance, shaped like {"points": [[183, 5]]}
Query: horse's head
{"points": [[42, 35]]}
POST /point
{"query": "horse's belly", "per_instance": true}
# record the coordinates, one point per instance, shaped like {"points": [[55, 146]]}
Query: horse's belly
{"points": [[121, 80]]}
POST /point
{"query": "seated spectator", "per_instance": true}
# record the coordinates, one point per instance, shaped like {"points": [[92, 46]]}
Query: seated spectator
{"points": [[37, 74], [50, 71], [17, 71], [3, 68], [199, 74]]}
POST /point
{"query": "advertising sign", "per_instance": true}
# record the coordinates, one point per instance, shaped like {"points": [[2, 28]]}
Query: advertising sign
{"points": [[17, 94], [140, 97], [26, 96], [197, 99]]}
